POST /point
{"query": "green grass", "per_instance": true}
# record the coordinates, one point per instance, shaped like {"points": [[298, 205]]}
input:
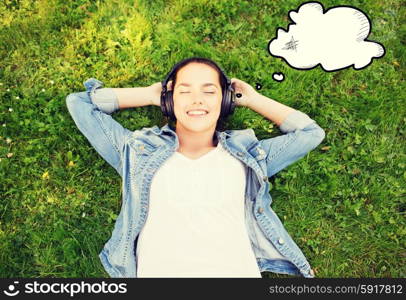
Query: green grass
{"points": [[344, 203]]}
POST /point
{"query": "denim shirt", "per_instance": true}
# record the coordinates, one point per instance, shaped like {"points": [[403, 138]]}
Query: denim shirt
{"points": [[137, 155]]}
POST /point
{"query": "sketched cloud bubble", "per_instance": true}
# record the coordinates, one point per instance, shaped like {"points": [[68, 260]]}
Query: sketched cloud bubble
{"points": [[335, 39]]}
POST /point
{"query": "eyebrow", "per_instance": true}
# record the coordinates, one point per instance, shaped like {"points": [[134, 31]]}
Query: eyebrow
{"points": [[204, 85]]}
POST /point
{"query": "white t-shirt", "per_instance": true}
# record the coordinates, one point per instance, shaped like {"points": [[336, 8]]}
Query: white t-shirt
{"points": [[195, 225]]}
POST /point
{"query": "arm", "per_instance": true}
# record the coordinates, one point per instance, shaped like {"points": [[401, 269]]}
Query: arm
{"points": [[132, 97], [138, 96], [301, 133], [91, 111]]}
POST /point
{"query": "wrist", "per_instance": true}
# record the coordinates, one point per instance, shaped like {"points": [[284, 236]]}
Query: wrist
{"points": [[251, 100], [148, 93]]}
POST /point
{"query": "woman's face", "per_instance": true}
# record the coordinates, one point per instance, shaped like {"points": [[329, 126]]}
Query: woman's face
{"points": [[197, 87]]}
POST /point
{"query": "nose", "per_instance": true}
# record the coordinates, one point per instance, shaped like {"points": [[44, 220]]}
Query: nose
{"points": [[196, 97]]}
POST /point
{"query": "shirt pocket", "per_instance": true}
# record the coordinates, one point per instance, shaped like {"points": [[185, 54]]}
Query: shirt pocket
{"points": [[140, 154]]}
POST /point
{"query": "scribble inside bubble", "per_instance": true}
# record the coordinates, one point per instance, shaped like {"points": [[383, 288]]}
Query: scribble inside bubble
{"points": [[291, 45]]}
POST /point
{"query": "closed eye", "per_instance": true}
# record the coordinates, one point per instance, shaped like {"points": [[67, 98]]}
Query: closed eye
{"points": [[189, 92]]}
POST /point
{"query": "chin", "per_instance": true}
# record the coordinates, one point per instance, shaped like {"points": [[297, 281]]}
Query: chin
{"points": [[195, 126]]}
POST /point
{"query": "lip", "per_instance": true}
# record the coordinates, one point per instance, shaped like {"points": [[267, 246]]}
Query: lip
{"points": [[198, 109]]}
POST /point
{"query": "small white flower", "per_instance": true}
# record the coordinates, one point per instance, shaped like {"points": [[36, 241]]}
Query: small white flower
{"points": [[83, 215], [51, 81], [0, 158], [10, 154], [10, 109], [4, 124], [8, 140], [43, 90], [17, 97], [8, 90], [1, 83]]}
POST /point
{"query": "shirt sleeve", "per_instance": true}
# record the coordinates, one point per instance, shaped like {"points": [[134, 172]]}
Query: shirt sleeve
{"points": [[301, 135], [90, 110]]}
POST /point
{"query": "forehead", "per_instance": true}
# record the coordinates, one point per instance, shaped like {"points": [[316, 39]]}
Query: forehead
{"points": [[197, 73]]}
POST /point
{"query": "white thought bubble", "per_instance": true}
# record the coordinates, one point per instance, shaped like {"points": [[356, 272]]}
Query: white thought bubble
{"points": [[335, 39]]}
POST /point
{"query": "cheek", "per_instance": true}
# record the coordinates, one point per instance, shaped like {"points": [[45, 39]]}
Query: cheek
{"points": [[217, 105], [179, 105]]}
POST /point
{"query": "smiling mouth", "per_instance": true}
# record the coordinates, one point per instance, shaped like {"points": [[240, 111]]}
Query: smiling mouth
{"points": [[199, 114]]}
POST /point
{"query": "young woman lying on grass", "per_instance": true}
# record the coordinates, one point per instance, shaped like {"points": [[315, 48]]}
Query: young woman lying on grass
{"points": [[196, 199]]}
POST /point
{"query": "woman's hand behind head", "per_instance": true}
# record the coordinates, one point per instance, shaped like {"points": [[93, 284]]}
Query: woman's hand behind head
{"points": [[247, 91], [155, 92]]}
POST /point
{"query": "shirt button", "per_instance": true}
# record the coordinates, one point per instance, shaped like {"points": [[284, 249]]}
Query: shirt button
{"points": [[260, 210], [281, 241], [265, 178]]}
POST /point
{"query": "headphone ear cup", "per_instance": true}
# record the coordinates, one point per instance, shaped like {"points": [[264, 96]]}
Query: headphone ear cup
{"points": [[169, 105], [232, 100], [223, 113], [228, 104], [163, 104]]}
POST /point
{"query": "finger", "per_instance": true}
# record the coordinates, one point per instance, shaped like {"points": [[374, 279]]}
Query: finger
{"points": [[234, 83], [237, 88], [170, 85]]}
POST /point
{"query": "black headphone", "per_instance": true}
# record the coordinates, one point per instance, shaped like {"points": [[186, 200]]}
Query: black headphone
{"points": [[227, 103]]}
